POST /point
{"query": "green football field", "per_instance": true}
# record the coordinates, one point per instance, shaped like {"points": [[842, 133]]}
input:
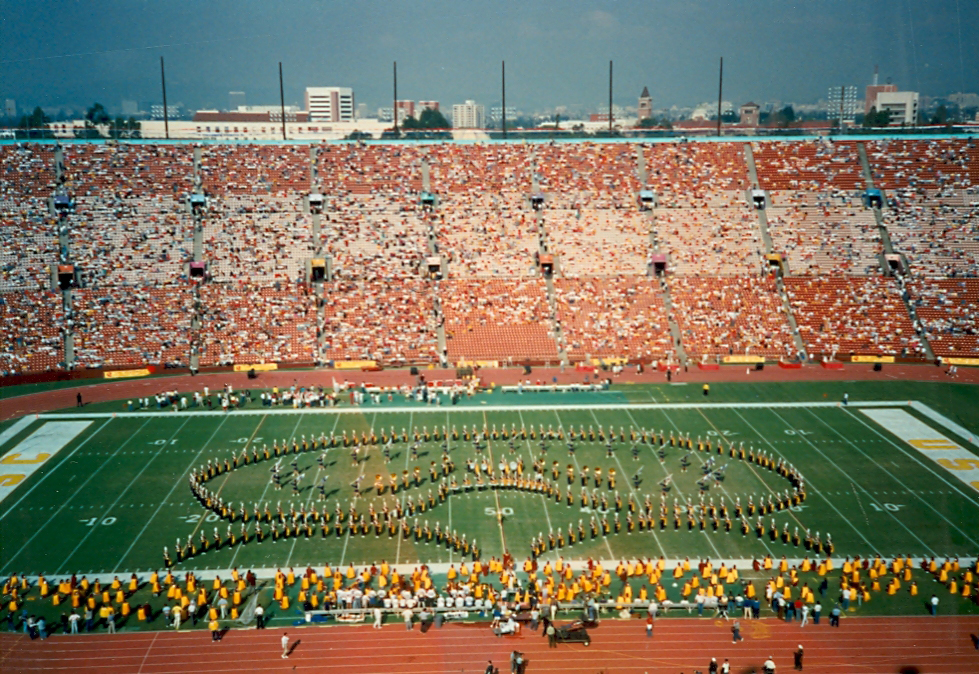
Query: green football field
{"points": [[116, 490]]}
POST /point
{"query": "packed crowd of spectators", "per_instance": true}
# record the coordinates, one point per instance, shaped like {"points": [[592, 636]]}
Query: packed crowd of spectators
{"points": [[696, 175], [31, 331], [389, 320], [253, 323], [130, 241], [599, 242], [620, 316], [710, 241], [257, 240], [862, 315], [949, 311], [132, 325], [808, 165], [131, 234], [374, 238], [924, 165], [938, 239], [830, 237], [731, 315], [268, 170]]}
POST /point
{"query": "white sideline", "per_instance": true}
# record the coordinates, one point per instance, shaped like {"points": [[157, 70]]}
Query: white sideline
{"points": [[440, 409]]}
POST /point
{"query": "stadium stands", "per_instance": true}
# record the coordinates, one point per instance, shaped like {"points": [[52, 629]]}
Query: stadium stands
{"points": [[949, 311], [619, 317], [731, 315], [131, 235], [858, 315], [495, 319]]}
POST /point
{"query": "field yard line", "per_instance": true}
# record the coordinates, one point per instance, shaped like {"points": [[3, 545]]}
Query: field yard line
{"points": [[201, 521], [543, 500], [105, 512], [917, 460], [77, 491], [360, 474], [176, 484], [912, 492], [872, 499], [52, 470], [750, 468], [312, 491], [628, 482], [404, 492], [496, 492], [702, 462], [267, 484], [611, 555], [810, 485]]}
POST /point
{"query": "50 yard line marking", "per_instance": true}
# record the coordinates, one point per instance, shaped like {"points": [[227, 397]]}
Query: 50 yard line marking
{"points": [[530, 453], [628, 482]]}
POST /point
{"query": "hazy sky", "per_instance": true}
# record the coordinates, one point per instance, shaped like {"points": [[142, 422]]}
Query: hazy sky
{"points": [[55, 53]]}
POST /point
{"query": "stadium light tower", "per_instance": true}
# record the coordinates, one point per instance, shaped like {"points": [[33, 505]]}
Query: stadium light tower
{"points": [[504, 99], [163, 82], [282, 102], [842, 104]]}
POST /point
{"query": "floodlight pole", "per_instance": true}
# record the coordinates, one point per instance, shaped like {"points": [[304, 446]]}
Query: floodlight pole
{"points": [[163, 82], [842, 95], [282, 102], [720, 92], [504, 99], [610, 97], [395, 108]]}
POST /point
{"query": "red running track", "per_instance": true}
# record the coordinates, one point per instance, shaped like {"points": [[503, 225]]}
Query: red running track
{"points": [[861, 645], [35, 403]]}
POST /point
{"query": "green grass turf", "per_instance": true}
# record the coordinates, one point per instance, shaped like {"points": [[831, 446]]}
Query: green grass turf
{"points": [[117, 494]]}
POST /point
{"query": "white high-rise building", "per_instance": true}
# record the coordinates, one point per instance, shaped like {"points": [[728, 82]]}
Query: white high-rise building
{"points": [[468, 115], [903, 106], [330, 104]]}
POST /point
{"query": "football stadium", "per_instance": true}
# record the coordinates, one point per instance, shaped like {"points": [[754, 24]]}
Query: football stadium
{"points": [[630, 404]]}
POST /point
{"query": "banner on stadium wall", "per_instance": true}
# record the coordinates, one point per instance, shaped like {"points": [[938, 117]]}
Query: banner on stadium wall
{"points": [[742, 359], [486, 363], [609, 361], [871, 359], [258, 367], [354, 364], [962, 361], [126, 374]]}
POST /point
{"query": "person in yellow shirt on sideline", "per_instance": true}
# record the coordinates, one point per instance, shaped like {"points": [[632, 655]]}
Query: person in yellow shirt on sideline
{"points": [[215, 628]]}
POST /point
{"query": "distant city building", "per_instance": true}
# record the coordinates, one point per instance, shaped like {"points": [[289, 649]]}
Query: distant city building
{"points": [[903, 106], [496, 113], [330, 104], [385, 114], [130, 108], [405, 109], [361, 110], [271, 115], [645, 109], [749, 114], [468, 115], [10, 107], [870, 93], [173, 111], [236, 99]]}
